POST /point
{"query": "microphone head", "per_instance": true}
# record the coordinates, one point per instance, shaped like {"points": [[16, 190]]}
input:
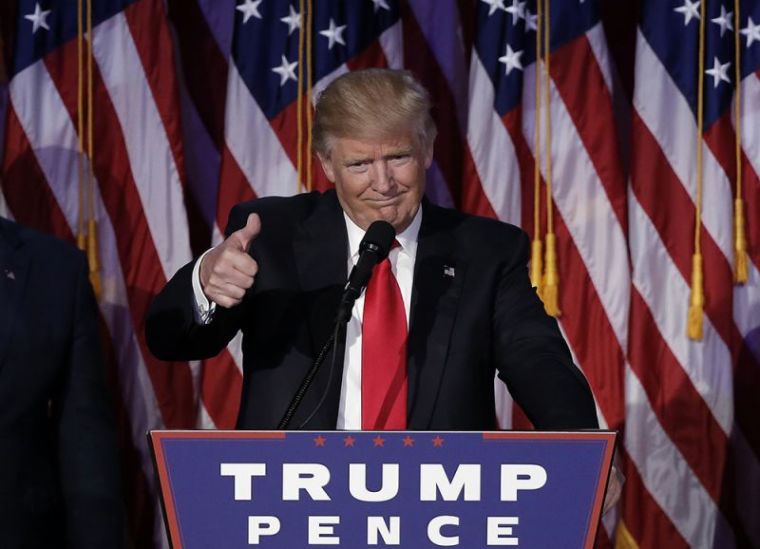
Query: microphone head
{"points": [[378, 239]]}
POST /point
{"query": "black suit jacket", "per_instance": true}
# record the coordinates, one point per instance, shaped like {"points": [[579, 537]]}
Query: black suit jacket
{"points": [[59, 478], [463, 328]]}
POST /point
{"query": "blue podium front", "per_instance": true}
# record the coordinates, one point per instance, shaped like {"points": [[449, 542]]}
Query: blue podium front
{"points": [[300, 489]]}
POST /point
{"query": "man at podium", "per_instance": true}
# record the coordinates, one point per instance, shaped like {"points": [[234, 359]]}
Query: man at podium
{"points": [[450, 306]]}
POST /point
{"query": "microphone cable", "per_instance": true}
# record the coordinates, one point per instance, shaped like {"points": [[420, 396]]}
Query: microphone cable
{"points": [[334, 339]]}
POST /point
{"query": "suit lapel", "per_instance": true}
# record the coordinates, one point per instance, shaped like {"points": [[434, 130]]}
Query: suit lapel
{"points": [[320, 250], [14, 263], [438, 276]]}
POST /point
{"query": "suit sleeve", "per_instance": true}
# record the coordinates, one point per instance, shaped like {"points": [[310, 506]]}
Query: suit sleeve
{"points": [[87, 446], [171, 328], [532, 356]]}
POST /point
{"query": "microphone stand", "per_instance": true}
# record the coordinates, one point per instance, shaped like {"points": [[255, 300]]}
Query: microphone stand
{"points": [[310, 375]]}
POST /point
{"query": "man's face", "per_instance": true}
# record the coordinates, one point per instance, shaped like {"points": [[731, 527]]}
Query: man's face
{"points": [[378, 179]]}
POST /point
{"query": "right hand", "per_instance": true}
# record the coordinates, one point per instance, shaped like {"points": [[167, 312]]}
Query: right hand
{"points": [[227, 271]]}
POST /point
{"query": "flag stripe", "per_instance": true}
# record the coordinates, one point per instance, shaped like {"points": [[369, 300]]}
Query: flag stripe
{"points": [[602, 363], [665, 473], [644, 517], [233, 188], [419, 58], [221, 387], [203, 65], [659, 197], [24, 187], [675, 401], [492, 150], [266, 166], [474, 199], [575, 67], [137, 253], [149, 30], [117, 54]]}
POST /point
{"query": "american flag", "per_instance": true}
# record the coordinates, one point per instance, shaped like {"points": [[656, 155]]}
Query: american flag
{"points": [[692, 406], [195, 108]]}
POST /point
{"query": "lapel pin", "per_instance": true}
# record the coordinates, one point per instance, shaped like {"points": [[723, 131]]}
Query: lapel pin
{"points": [[10, 274], [448, 271]]}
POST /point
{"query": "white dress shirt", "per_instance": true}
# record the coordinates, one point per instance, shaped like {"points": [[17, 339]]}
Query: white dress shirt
{"points": [[402, 260]]}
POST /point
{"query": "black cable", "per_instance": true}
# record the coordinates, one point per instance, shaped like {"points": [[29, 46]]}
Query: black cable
{"points": [[334, 338], [296, 401]]}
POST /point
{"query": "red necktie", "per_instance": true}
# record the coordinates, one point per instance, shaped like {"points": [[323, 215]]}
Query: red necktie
{"points": [[383, 352]]}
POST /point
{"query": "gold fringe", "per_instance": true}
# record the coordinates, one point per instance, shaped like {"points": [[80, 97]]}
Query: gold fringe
{"points": [[623, 538], [550, 286], [309, 88], [92, 229], [696, 300], [93, 259], [536, 252], [536, 264], [81, 232], [299, 100], [741, 267], [695, 317], [741, 260]]}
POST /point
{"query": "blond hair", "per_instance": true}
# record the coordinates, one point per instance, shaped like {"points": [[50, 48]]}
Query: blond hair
{"points": [[372, 104]]}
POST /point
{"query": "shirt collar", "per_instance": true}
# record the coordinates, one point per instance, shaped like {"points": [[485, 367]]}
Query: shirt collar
{"points": [[407, 238]]}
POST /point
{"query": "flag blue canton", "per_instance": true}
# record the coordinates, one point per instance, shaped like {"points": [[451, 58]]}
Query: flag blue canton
{"points": [[672, 30], [45, 25], [265, 44], [506, 40]]}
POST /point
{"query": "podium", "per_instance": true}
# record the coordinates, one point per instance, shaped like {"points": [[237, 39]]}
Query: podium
{"points": [[304, 489]]}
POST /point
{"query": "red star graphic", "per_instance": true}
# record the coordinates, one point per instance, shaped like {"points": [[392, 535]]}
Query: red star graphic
{"points": [[408, 441], [349, 441], [437, 441], [320, 441], [379, 441]]}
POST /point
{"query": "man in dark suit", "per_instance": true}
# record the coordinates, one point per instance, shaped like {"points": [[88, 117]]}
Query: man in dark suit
{"points": [[279, 275], [59, 476]]}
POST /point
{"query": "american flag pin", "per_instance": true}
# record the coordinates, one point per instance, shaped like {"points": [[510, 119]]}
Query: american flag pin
{"points": [[448, 271]]}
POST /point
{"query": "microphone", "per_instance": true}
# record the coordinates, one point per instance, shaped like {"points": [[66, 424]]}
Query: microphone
{"points": [[373, 249]]}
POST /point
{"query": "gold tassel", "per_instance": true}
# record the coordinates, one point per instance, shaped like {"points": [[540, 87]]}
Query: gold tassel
{"points": [[92, 258], [741, 266], [299, 100], [309, 92], [536, 264], [695, 317], [550, 287], [623, 538], [696, 300], [81, 232]]}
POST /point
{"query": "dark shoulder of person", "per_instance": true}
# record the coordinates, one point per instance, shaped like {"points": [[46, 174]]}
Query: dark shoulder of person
{"points": [[476, 233]]}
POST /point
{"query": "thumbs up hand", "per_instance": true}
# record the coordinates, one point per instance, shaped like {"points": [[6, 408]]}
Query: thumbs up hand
{"points": [[227, 271]]}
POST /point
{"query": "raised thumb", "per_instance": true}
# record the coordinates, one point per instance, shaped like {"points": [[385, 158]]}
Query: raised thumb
{"points": [[252, 228]]}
